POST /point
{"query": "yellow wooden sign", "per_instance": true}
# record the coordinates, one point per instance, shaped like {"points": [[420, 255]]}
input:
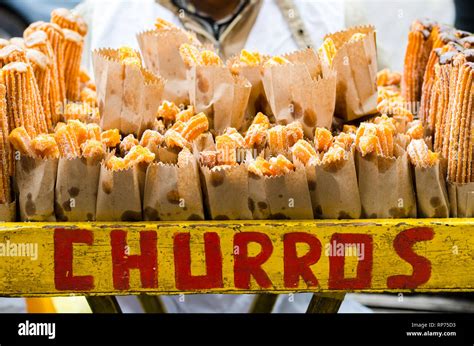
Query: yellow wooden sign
{"points": [[236, 257]]}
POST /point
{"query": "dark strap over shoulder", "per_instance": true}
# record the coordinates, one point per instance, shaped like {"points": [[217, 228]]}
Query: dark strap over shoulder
{"points": [[295, 23]]}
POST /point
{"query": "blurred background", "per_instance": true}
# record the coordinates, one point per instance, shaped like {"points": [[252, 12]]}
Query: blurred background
{"points": [[16, 15], [391, 18]]}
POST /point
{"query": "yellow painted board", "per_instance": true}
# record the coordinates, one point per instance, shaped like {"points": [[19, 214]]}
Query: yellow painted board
{"points": [[236, 257]]}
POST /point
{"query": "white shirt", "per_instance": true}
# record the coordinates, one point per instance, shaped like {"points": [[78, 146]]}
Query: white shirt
{"points": [[114, 23]]}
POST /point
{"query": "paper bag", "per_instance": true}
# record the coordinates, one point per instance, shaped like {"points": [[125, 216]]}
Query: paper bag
{"points": [[173, 191], [386, 187], [336, 191], [76, 189], [167, 155], [35, 180], [298, 91], [461, 198], [160, 51], [288, 195], [226, 193], [356, 67], [118, 195], [257, 99], [431, 193], [222, 96], [128, 95]]}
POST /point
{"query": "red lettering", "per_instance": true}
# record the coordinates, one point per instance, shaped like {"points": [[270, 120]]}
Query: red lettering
{"points": [[122, 262], [63, 259], [295, 266], [244, 266], [403, 245], [182, 261], [364, 265]]}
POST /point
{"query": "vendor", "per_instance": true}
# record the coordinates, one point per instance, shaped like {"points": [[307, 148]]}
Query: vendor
{"points": [[227, 25], [271, 27]]}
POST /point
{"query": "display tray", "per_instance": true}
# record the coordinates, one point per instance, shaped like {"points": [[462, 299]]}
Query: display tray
{"points": [[272, 256]]}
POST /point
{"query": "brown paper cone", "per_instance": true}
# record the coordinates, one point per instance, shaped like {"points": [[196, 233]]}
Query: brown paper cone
{"points": [[219, 94], [356, 66], [173, 192], [288, 195], [461, 198], [431, 193], [167, 155], [257, 99], [128, 96], [226, 192], [386, 187], [314, 103], [298, 91], [160, 51], [8, 212], [118, 195], [277, 82], [35, 180], [76, 189], [337, 192]]}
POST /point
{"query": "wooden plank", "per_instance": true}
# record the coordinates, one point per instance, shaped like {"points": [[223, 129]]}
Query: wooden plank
{"points": [[422, 255], [152, 304], [104, 305], [263, 303], [325, 303]]}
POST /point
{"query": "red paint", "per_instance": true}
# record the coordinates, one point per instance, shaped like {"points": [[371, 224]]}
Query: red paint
{"points": [[295, 266], [403, 244], [182, 262], [63, 259], [244, 266], [364, 267], [122, 263]]}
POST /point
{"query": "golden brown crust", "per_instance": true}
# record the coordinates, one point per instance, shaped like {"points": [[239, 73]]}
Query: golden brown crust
{"points": [[73, 47], [23, 98], [68, 20], [5, 156]]}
